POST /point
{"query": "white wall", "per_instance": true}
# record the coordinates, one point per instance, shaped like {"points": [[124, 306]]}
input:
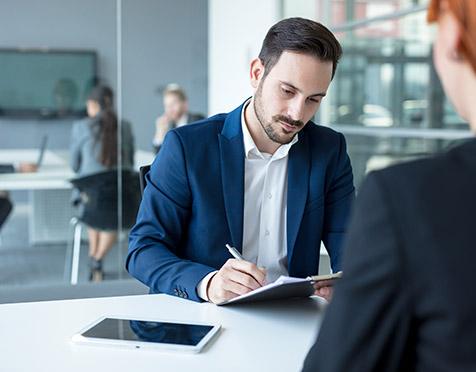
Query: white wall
{"points": [[300, 8], [236, 30], [163, 41]]}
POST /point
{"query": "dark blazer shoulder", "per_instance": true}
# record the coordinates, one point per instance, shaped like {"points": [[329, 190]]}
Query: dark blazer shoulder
{"points": [[324, 139], [197, 130], [314, 130], [324, 142]]}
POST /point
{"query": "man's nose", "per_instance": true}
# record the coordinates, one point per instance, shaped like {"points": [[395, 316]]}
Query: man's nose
{"points": [[296, 109]]}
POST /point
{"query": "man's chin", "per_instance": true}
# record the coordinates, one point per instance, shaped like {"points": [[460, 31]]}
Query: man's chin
{"points": [[283, 139]]}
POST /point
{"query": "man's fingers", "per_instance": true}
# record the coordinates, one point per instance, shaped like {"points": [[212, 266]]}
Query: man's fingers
{"points": [[325, 292], [224, 295], [218, 288], [323, 283], [251, 269], [235, 288], [242, 278]]}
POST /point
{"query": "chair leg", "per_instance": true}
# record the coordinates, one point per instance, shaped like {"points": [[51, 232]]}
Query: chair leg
{"points": [[76, 252], [69, 249]]}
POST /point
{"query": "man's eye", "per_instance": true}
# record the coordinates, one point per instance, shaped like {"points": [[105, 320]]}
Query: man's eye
{"points": [[286, 91]]}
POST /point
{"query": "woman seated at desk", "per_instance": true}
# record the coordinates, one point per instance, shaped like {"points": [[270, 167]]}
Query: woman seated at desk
{"points": [[94, 150]]}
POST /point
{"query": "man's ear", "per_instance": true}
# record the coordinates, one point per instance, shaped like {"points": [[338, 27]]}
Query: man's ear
{"points": [[256, 72]]}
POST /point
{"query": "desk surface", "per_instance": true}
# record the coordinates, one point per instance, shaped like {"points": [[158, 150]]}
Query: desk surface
{"points": [[255, 337], [54, 172]]}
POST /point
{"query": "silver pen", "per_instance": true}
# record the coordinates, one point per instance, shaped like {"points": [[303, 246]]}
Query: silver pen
{"points": [[234, 252]]}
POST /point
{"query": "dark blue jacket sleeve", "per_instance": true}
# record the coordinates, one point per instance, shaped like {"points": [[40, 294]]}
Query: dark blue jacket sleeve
{"points": [[340, 196], [156, 242]]}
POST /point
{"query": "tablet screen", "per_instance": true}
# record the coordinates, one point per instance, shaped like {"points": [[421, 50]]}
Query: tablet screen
{"points": [[148, 331]]}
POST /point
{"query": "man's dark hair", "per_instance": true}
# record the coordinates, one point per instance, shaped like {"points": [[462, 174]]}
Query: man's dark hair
{"points": [[301, 36]]}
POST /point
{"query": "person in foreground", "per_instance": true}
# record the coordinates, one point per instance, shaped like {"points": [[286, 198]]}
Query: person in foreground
{"points": [[406, 301], [262, 178]]}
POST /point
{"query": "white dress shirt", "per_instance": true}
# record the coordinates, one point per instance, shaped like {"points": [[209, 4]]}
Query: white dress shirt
{"points": [[182, 121], [265, 208]]}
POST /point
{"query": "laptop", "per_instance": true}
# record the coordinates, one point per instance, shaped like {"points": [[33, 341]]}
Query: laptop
{"points": [[44, 142]]}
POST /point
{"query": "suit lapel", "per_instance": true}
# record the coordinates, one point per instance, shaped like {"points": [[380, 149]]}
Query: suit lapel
{"points": [[298, 184], [232, 164]]}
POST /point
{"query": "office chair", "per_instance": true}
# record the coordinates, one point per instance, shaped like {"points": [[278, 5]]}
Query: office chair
{"points": [[5, 210], [97, 207], [142, 173]]}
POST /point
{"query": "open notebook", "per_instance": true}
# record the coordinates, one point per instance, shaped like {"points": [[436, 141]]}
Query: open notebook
{"points": [[283, 287]]}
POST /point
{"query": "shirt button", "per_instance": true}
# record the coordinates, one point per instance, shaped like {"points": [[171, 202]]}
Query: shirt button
{"points": [[270, 195], [266, 232]]}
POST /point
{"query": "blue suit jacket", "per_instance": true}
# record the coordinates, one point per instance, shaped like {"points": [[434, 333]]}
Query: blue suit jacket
{"points": [[193, 204]]}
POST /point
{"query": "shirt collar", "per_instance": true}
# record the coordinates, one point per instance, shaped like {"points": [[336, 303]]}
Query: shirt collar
{"points": [[250, 146], [183, 120]]}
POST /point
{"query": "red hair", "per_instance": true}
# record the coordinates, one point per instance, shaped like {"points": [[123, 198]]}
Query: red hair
{"points": [[465, 13]]}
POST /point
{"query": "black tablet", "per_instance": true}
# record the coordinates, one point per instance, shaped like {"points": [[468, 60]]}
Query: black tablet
{"points": [[140, 333]]}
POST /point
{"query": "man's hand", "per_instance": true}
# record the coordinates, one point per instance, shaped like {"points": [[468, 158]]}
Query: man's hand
{"points": [[161, 128], [162, 121], [323, 288], [235, 278]]}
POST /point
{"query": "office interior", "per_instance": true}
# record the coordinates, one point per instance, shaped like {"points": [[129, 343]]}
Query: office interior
{"points": [[385, 98]]}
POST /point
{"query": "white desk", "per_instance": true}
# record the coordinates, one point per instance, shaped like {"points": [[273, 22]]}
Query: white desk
{"points": [[257, 337], [49, 191], [53, 174]]}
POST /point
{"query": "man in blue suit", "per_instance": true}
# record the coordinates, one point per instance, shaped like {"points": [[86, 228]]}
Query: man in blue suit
{"points": [[262, 178]]}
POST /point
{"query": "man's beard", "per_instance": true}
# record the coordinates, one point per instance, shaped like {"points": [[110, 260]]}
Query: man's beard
{"points": [[271, 132]]}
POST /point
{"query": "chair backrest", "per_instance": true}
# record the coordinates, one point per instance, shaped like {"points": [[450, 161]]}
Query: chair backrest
{"points": [[98, 205], [142, 173]]}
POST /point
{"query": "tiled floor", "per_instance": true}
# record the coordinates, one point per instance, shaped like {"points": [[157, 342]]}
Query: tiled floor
{"points": [[22, 264]]}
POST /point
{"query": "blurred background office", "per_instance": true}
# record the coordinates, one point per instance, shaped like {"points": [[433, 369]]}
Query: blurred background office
{"points": [[385, 98]]}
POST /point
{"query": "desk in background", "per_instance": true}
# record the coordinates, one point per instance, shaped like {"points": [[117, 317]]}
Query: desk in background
{"points": [[257, 337], [49, 191]]}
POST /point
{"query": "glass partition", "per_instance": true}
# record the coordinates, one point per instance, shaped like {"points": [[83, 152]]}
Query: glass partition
{"points": [[90, 99], [52, 57], [386, 97]]}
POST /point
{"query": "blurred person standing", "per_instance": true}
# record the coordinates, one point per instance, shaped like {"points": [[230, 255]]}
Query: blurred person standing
{"points": [[175, 114], [406, 301]]}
